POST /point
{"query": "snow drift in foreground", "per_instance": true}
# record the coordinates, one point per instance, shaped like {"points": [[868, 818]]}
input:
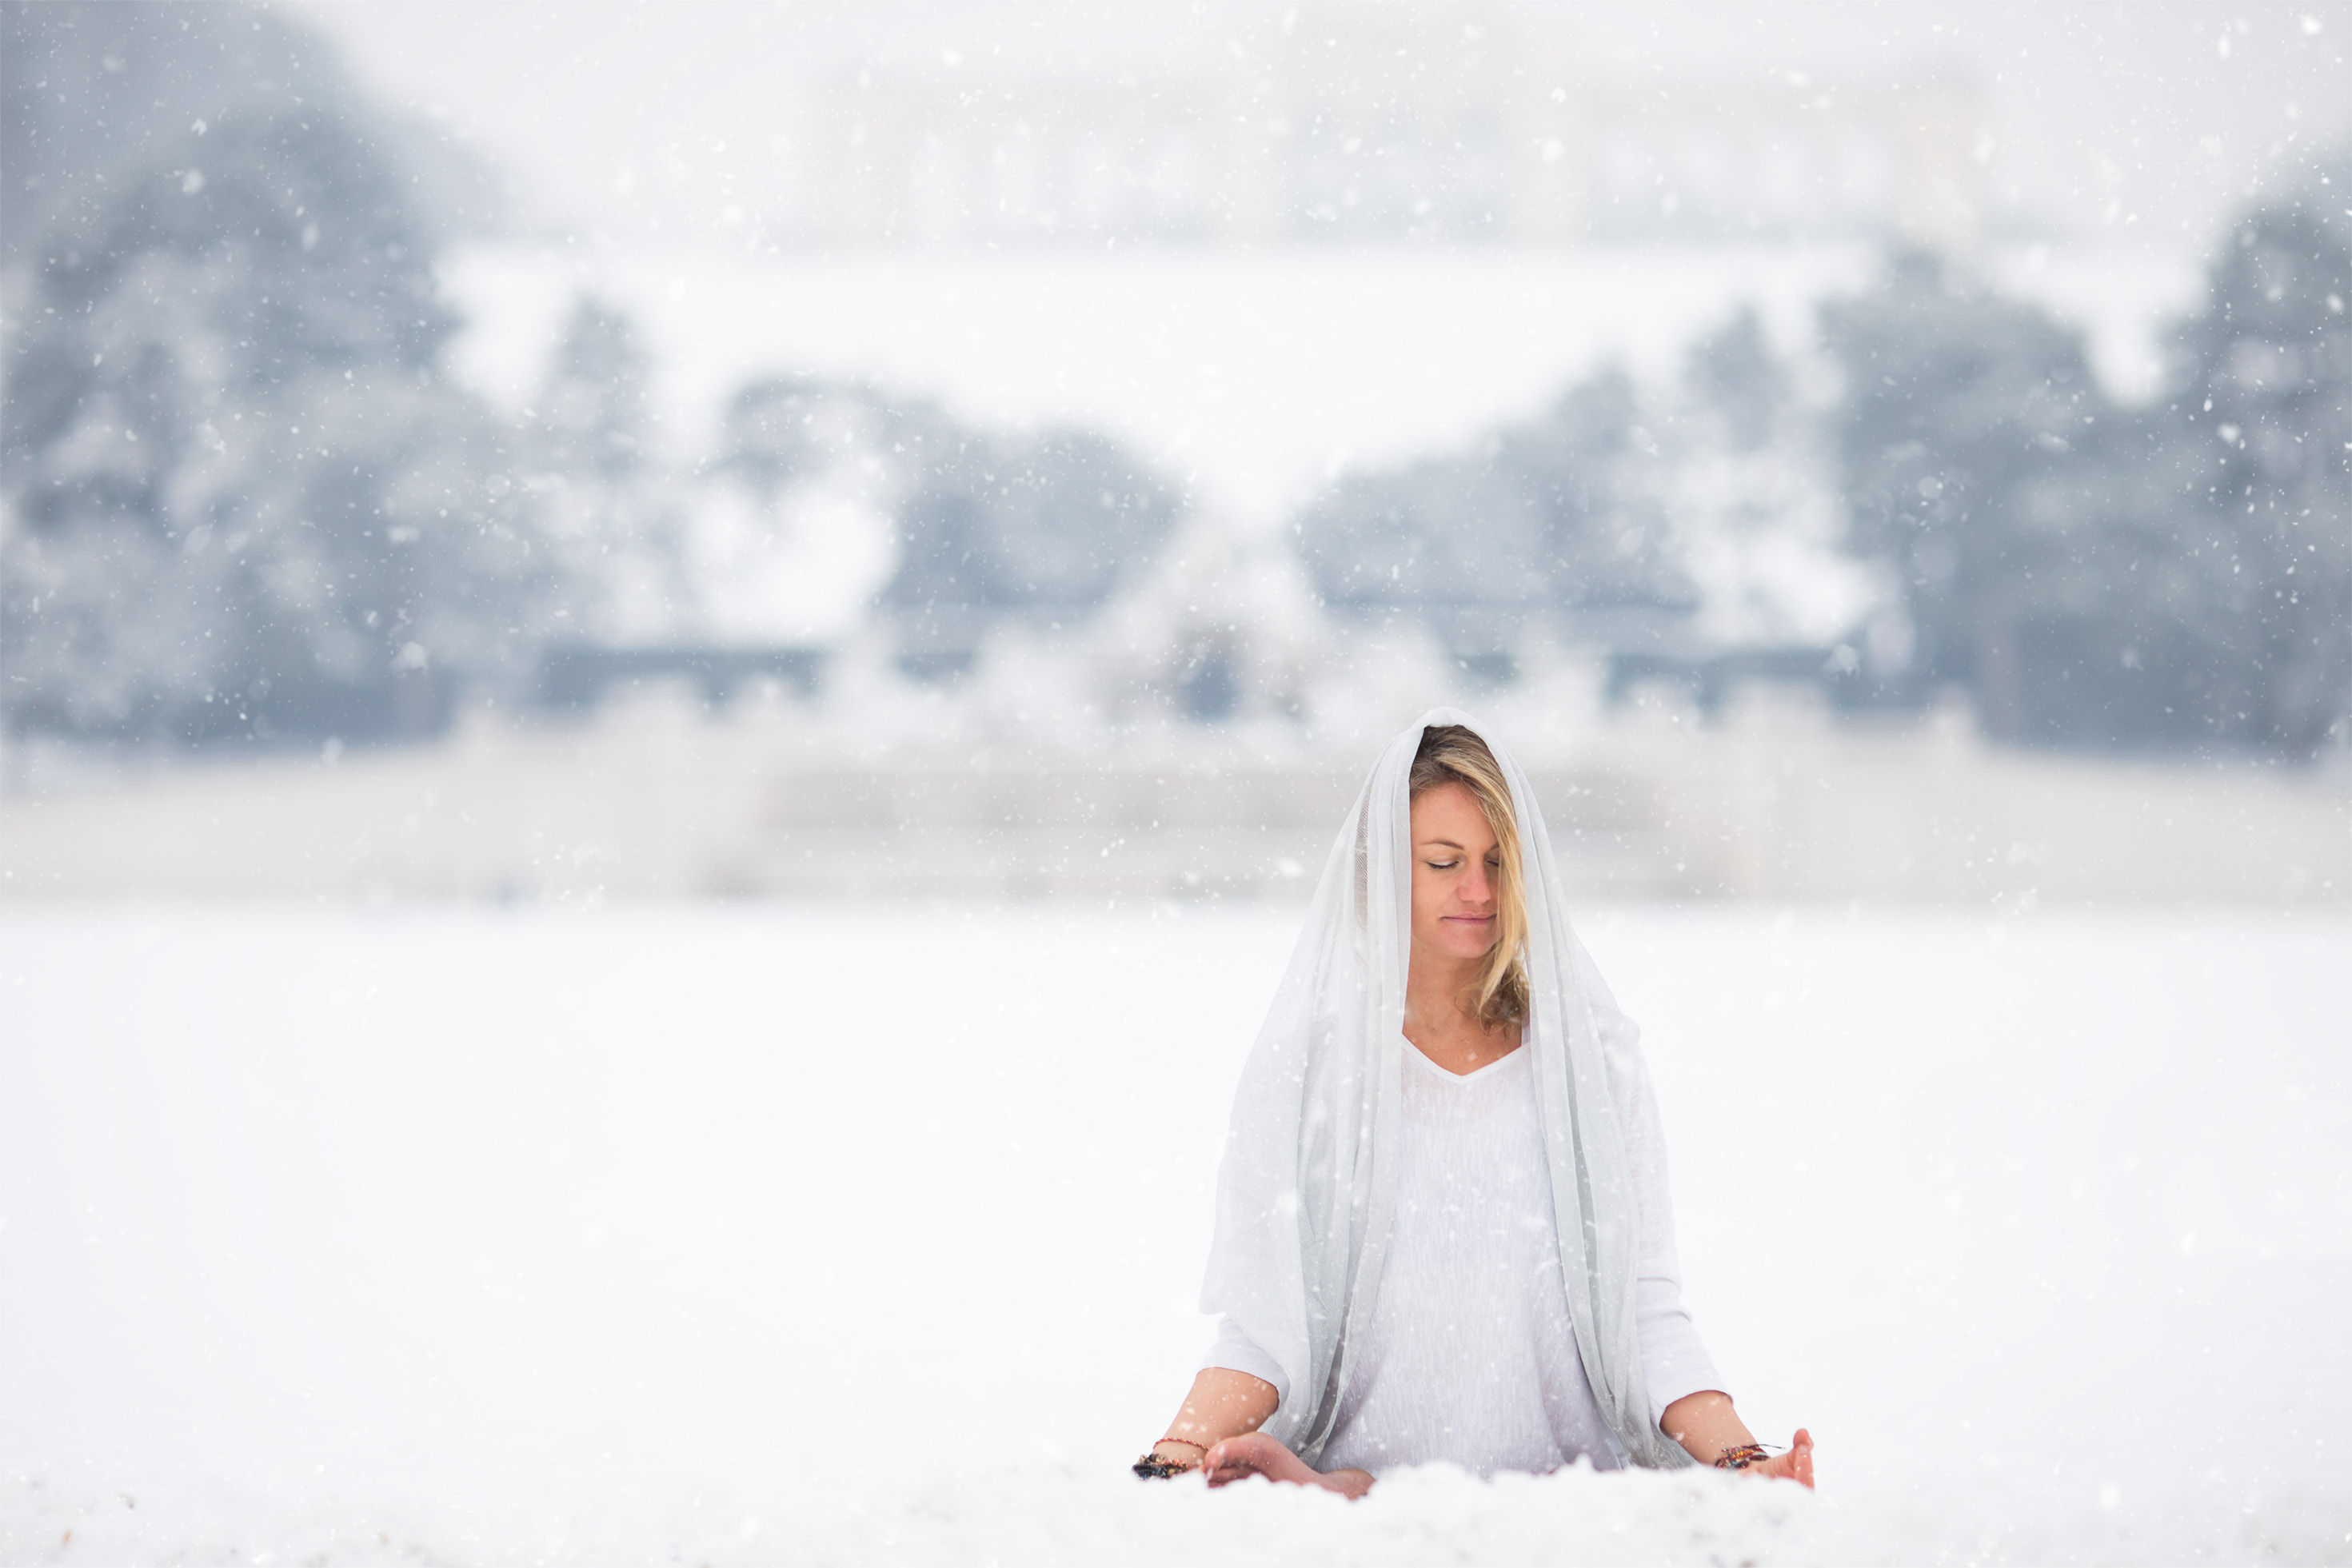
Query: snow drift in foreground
{"points": [[1434, 1514]]}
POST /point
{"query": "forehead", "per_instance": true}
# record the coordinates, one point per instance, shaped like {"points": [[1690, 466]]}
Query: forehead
{"points": [[1450, 810]]}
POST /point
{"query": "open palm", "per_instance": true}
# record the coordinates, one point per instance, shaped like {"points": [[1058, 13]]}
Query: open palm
{"points": [[1255, 1454], [1796, 1465]]}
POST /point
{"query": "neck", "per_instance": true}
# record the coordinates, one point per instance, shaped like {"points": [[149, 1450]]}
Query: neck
{"points": [[1435, 986]]}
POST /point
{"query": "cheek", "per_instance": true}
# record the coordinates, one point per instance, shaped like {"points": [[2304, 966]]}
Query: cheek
{"points": [[1429, 898]]}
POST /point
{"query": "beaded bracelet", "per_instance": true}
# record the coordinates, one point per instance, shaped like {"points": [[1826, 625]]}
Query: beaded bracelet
{"points": [[1152, 1467], [1741, 1457]]}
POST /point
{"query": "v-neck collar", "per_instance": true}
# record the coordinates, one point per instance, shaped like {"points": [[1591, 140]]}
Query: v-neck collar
{"points": [[1453, 1077]]}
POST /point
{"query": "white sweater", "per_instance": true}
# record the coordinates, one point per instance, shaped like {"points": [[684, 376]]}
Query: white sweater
{"points": [[1470, 1354]]}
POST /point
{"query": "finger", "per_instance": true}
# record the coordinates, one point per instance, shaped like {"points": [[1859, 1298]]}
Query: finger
{"points": [[1800, 1456]]}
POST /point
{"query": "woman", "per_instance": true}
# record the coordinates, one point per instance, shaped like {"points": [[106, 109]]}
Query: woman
{"points": [[1443, 1225]]}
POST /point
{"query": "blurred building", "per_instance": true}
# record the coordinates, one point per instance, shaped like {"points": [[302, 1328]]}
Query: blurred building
{"points": [[658, 798], [1370, 121]]}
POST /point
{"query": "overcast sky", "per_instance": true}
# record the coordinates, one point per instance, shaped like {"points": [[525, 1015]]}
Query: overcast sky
{"points": [[2135, 119]]}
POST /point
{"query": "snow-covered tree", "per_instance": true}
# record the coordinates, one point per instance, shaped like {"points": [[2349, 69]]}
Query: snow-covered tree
{"points": [[612, 506], [1955, 402], [788, 536], [2267, 416], [1558, 516], [91, 90], [1750, 488], [2177, 575], [242, 497], [1046, 526]]}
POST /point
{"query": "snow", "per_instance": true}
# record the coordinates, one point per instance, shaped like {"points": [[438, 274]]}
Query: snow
{"points": [[782, 1232], [2123, 298], [805, 571], [1258, 376]]}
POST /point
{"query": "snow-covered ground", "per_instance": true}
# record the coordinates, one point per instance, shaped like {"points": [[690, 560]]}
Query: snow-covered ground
{"points": [[779, 1234], [1257, 375]]}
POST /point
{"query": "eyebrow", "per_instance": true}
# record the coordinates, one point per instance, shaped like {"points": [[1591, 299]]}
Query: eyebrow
{"points": [[1445, 844]]}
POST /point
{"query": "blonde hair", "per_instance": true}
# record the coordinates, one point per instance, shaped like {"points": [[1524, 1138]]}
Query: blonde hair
{"points": [[1451, 754]]}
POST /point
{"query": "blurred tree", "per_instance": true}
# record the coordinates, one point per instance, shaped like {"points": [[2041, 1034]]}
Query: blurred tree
{"points": [[243, 500], [1955, 402], [782, 431], [1750, 486], [2125, 626], [2179, 575], [91, 88], [2266, 428], [613, 512], [1046, 526], [593, 410], [787, 534], [1734, 373], [88, 88], [1593, 469], [1457, 531], [982, 525], [1559, 514]]}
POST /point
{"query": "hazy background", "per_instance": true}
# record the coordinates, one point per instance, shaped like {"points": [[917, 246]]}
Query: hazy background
{"points": [[1855, 449], [2178, 112], [670, 674]]}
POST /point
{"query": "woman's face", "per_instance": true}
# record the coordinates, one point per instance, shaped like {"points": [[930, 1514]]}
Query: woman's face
{"points": [[1455, 863]]}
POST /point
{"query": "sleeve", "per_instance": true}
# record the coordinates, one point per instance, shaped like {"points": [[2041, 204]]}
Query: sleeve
{"points": [[1674, 1362], [1236, 1351]]}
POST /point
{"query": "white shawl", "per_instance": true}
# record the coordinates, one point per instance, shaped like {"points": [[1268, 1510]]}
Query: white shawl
{"points": [[1307, 1188]]}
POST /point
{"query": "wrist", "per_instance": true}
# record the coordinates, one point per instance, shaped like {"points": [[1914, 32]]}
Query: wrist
{"points": [[1170, 1457]]}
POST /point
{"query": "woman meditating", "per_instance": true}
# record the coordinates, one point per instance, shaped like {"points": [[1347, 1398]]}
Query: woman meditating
{"points": [[1442, 1224]]}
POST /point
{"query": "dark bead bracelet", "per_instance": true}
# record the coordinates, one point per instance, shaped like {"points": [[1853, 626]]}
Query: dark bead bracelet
{"points": [[1741, 1457], [1152, 1467]]}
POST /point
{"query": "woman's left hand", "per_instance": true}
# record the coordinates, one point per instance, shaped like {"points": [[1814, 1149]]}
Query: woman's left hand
{"points": [[1796, 1465], [1708, 1428], [1255, 1454]]}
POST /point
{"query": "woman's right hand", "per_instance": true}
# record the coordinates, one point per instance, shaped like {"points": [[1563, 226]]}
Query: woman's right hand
{"points": [[1255, 1454]]}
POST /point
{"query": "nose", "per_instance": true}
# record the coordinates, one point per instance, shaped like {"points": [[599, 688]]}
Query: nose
{"points": [[1478, 888]]}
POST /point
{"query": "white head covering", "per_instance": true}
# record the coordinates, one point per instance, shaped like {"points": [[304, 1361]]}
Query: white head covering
{"points": [[1308, 1189]]}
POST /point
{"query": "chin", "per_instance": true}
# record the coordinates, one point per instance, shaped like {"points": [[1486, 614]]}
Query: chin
{"points": [[1458, 943]]}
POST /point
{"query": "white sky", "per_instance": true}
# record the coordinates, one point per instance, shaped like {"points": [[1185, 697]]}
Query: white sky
{"points": [[2137, 100]]}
